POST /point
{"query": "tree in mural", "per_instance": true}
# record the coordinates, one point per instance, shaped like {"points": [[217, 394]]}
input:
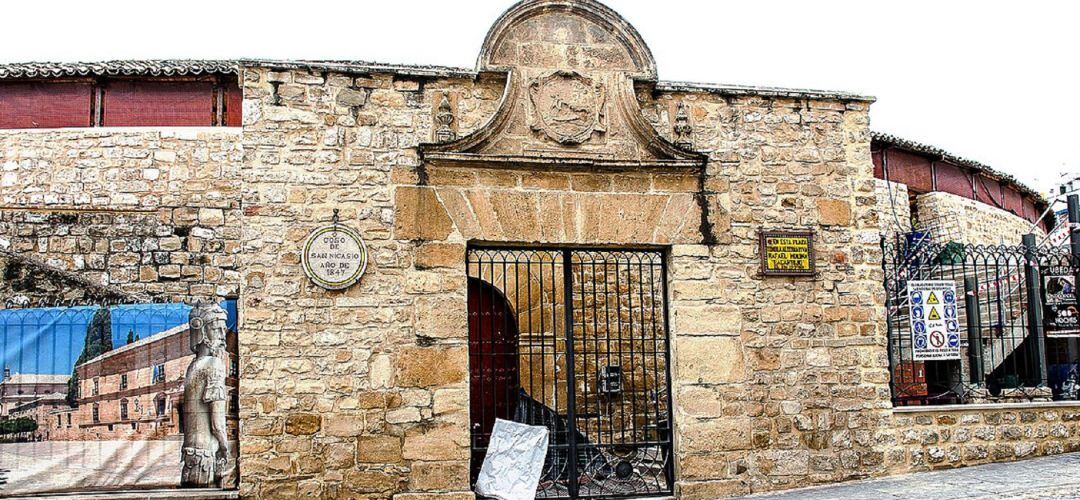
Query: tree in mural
{"points": [[98, 341], [18, 425]]}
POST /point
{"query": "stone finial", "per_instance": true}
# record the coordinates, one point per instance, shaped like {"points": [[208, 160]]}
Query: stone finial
{"points": [[444, 118], [683, 129]]}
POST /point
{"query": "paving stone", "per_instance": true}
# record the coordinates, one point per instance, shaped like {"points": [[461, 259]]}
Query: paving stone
{"points": [[1046, 477]]}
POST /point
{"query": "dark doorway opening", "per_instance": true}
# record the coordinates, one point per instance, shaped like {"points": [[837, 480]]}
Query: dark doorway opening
{"points": [[575, 340]]}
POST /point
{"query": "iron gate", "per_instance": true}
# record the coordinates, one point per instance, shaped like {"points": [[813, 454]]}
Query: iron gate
{"points": [[1011, 303], [575, 340]]}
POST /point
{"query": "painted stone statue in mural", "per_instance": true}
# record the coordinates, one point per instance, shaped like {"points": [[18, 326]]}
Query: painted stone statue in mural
{"points": [[205, 453]]}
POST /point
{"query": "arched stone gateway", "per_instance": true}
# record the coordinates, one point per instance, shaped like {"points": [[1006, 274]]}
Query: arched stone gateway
{"points": [[616, 216], [558, 155]]}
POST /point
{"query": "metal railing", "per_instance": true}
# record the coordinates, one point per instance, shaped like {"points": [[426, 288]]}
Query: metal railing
{"points": [[1009, 342]]}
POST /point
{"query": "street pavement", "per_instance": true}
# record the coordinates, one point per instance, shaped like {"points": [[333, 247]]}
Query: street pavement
{"points": [[1039, 478]]}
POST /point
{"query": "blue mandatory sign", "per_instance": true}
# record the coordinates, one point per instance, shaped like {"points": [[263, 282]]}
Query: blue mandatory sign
{"points": [[920, 341], [916, 297], [952, 326], [917, 311], [954, 340], [950, 312], [920, 327], [950, 297]]}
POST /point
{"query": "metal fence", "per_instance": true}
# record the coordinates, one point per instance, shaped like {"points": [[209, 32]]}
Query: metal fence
{"points": [[92, 395], [1008, 331], [575, 340]]}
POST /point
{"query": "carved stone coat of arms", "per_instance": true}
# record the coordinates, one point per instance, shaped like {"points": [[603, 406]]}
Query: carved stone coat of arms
{"points": [[567, 106]]}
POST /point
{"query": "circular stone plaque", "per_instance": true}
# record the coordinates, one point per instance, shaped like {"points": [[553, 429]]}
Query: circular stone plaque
{"points": [[334, 257]]}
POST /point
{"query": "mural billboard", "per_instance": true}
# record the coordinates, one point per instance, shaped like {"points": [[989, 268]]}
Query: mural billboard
{"points": [[98, 393]]}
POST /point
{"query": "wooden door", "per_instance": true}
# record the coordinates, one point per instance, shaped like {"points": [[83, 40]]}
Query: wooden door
{"points": [[493, 363]]}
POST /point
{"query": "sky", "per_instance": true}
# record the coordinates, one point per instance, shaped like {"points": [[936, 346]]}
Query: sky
{"points": [[992, 81]]}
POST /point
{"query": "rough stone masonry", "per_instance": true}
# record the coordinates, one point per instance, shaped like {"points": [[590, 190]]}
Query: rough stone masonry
{"points": [[365, 393]]}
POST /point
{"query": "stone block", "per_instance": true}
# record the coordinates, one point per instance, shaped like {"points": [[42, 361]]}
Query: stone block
{"points": [[432, 366], [441, 316], [420, 215], [695, 490], [783, 462], [833, 212], [450, 401], [714, 435], [440, 255], [439, 476], [211, 217], [709, 319], [374, 481], [343, 425], [352, 97], [436, 443], [709, 360], [302, 424], [381, 371], [378, 449]]}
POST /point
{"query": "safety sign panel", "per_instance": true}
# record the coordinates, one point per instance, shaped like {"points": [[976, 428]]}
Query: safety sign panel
{"points": [[935, 330]]}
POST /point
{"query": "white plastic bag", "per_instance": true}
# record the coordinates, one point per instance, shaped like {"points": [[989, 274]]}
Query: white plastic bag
{"points": [[514, 461]]}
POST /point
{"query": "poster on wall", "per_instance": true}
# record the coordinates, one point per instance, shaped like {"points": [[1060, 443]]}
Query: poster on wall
{"points": [[1061, 316], [935, 327], [787, 253], [96, 397]]}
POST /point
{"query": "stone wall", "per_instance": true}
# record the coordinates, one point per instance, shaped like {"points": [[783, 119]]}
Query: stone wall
{"points": [[939, 439], [893, 208], [150, 211], [954, 218], [346, 390], [26, 282], [776, 380]]}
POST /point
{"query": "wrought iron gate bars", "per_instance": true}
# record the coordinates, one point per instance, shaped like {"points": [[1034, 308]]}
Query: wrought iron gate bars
{"points": [[1014, 367], [600, 447]]}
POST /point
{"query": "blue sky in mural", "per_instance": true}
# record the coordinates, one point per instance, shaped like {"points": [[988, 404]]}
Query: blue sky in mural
{"points": [[49, 340]]}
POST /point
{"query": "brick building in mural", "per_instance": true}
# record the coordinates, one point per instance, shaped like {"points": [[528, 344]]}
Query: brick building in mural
{"points": [[47, 411], [130, 393], [134, 392], [556, 236]]}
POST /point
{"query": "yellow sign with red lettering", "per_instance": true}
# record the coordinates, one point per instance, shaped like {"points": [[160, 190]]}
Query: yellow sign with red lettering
{"points": [[787, 253]]}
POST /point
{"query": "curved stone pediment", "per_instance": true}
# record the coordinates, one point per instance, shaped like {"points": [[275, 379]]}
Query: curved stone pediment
{"points": [[569, 98], [581, 35]]}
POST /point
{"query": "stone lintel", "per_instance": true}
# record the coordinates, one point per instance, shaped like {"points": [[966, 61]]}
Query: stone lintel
{"points": [[553, 162]]}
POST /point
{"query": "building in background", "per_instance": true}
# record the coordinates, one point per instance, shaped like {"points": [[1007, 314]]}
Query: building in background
{"points": [[46, 411], [21, 388], [135, 391], [949, 198]]}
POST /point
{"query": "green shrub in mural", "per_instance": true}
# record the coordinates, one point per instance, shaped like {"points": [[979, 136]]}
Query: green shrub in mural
{"points": [[18, 425]]}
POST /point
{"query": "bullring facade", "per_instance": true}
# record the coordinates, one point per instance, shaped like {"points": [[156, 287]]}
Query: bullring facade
{"points": [[609, 220]]}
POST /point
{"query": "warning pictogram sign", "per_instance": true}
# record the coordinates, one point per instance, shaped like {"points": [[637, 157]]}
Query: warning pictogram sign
{"points": [[934, 336]]}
